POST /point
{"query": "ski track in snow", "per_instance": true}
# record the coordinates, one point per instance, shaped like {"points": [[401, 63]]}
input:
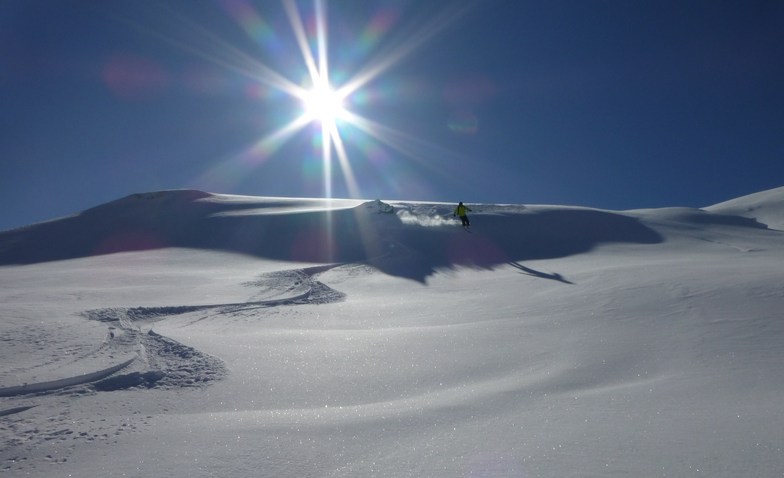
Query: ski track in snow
{"points": [[141, 360]]}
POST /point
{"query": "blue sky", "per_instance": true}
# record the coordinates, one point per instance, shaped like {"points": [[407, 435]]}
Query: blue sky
{"points": [[611, 104]]}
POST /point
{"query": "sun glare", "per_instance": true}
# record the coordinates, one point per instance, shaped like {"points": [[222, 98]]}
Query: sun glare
{"points": [[320, 103], [323, 104]]}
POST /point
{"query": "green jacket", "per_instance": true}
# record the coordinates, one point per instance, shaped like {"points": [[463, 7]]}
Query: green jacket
{"points": [[460, 210]]}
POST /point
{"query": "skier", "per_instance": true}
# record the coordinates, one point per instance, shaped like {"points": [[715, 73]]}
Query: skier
{"points": [[460, 210]]}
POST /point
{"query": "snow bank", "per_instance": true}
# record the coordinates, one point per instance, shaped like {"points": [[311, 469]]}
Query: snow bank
{"points": [[766, 207], [423, 237]]}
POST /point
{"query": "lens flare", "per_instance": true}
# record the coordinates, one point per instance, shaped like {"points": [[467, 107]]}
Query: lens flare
{"points": [[325, 97], [323, 104]]}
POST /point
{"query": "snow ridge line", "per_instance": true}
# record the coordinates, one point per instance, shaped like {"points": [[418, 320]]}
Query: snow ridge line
{"points": [[64, 382], [11, 411]]}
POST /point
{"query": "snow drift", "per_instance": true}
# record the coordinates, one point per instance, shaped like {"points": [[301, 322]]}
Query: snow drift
{"points": [[766, 207], [323, 231], [184, 333]]}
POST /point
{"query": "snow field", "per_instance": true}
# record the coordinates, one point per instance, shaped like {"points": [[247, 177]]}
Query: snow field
{"points": [[652, 350]]}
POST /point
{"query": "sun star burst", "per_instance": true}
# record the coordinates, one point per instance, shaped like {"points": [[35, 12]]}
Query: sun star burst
{"points": [[319, 102], [324, 104]]}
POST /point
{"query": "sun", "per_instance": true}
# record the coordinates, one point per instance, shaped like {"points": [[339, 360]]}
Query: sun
{"points": [[324, 104], [320, 104]]}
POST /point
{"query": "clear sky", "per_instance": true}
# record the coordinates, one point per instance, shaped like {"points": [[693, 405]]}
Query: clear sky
{"points": [[614, 104]]}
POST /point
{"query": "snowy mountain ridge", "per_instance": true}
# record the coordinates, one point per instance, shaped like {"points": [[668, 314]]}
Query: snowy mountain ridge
{"points": [[339, 230]]}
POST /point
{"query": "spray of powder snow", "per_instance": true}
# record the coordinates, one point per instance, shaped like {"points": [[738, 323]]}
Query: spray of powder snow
{"points": [[408, 217]]}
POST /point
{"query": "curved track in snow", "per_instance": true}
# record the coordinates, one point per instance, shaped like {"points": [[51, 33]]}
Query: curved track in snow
{"points": [[153, 360]]}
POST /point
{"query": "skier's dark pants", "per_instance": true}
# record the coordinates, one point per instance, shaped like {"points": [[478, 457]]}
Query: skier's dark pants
{"points": [[465, 221]]}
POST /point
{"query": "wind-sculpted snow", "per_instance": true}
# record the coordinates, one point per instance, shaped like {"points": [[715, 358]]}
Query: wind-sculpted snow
{"points": [[39, 387], [413, 243], [766, 207], [548, 341]]}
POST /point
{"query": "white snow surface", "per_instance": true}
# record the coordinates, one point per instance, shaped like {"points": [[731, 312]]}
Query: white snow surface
{"points": [[767, 207], [182, 333]]}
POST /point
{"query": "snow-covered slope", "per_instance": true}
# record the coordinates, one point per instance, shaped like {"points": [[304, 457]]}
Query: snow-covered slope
{"points": [[766, 207], [184, 333], [404, 244]]}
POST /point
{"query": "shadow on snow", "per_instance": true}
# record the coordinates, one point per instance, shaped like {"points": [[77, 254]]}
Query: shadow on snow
{"points": [[189, 219]]}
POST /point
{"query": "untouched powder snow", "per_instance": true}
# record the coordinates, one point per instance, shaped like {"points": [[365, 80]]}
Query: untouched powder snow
{"points": [[182, 333], [766, 207]]}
